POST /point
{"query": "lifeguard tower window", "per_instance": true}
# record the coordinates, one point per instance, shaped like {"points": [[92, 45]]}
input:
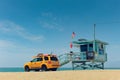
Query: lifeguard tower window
{"points": [[83, 48], [101, 49], [90, 47]]}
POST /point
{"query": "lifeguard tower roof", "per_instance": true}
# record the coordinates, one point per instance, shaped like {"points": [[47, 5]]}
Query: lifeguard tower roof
{"points": [[84, 41]]}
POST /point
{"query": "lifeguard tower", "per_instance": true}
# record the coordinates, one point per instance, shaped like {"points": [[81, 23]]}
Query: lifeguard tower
{"points": [[91, 55]]}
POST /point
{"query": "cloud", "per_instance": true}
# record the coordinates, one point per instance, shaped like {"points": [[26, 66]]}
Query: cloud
{"points": [[6, 44], [50, 21], [8, 27], [14, 52]]}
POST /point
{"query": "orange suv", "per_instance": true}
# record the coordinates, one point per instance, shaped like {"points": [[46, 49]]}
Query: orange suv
{"points": [[43, 62]]}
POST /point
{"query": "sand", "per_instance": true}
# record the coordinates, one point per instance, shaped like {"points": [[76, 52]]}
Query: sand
{"points": [[63, 75]]}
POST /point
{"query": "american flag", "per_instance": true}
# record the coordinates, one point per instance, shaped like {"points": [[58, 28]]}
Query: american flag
{"points": [[73, 35]]}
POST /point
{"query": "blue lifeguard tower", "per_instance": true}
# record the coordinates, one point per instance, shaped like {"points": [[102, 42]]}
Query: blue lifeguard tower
{"points": [[91, 55]]}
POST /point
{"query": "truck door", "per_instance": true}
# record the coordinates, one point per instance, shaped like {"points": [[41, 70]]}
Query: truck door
{"points": [[33, 63], [38, 62]]}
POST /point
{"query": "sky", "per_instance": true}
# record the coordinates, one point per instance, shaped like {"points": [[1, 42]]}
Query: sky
{"points": [[28, 27]]}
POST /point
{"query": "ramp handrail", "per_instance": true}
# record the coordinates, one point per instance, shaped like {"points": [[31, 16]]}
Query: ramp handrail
{"points": [[67, 57], [64, 59]]}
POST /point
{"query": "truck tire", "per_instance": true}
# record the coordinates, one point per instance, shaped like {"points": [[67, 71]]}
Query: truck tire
{"points": [[44, 68], [26, 69]]}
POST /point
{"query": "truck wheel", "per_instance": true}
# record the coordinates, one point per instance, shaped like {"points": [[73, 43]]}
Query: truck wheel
{"points": [[44, 68], [27, 69]]}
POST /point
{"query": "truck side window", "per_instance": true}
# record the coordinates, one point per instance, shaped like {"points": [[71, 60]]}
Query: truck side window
{"points": [[39, 59], [34, 60], [46, 58]]}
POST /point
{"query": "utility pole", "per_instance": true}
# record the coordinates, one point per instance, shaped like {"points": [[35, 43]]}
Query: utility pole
{"points": [[94, 44], [94, 31]]}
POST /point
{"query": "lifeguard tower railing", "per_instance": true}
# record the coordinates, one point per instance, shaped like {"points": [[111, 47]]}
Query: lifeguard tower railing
{"points": [[79, 60]]}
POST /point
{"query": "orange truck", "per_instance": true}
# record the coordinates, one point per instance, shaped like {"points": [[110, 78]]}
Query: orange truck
{"points": [[43, 62]]}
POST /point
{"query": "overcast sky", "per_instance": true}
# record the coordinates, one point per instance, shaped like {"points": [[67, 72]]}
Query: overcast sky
{"points": [[28, 27]]}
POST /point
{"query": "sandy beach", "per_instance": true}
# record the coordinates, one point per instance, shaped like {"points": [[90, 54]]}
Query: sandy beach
{"points": [[63, 75]]}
